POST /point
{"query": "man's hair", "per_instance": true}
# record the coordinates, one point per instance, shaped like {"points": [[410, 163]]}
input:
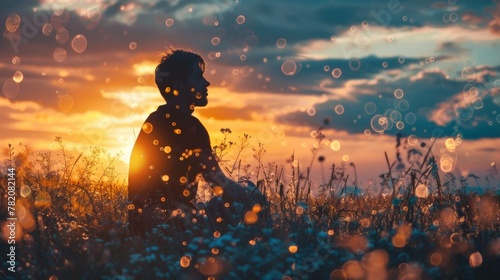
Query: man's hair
{"points": [[175, 66]]}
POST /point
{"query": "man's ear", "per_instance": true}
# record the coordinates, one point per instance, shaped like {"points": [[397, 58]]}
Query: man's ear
{"points": [[178, 86]]}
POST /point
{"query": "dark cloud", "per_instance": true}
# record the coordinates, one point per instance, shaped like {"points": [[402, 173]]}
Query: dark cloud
{"points": [[451, 47], [297, 75], [422, 97]]}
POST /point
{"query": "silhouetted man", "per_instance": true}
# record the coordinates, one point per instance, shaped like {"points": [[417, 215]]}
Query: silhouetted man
{"points": [[173, 152]]}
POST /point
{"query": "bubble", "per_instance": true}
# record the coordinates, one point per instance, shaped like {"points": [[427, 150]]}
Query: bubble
{"points": [[353, 28], [364, 23], [401, 60], [293, 249], [79, 43], [367, 132], [311, 111], [468, 74], [385, 64], [62, 35], [477, 103], [25, 191], [463, 111], [240, 19], [250, 218], [421, 191], [326, 68], [370, 108], [251, 41], [470, 93], [16, 60], [47, 29], [281, 43], [399, 240], [455, 238], [394, 115], [390, 39], [58, 8], [147, 127], [264, 60], [379, 123], [185, 261], [169, 22], [215, 41], [412, 140], [10, 88], [453, 17], [92, 17], [336, 73], [403, 105], [132, 45], [335, 145], [256, 208], [289, 67], [339, 109], [475, 259], [376, 260], [332, 38], [410, 118], [450, 144], [436, 259], [447, 163], [354, 64], [65, 103], [18, 77], [398, 93], [352, 270], [43, 199], [60, 54], [12, 23]]}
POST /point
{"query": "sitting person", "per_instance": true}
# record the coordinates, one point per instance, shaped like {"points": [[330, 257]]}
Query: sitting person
{"points": [[172, 153]]}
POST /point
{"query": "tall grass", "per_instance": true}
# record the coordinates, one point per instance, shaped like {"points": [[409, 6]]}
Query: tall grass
{"points": [[416, 223]]}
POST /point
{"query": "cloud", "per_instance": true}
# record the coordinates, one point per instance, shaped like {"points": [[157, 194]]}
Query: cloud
{"points": [[427, 104], [106, 64], [451, 47]]}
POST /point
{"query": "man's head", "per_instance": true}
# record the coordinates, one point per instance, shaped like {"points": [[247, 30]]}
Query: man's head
{"points": [[179, 77]]}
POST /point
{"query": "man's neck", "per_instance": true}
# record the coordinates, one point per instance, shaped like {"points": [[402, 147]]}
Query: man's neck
{"points": [[186, 109]]}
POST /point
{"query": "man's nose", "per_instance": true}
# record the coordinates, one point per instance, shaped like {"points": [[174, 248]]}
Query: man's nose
{"points": [[207, 82]]}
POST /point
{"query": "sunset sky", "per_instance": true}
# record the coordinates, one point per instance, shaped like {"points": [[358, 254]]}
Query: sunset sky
{"points": [[83, 70]]}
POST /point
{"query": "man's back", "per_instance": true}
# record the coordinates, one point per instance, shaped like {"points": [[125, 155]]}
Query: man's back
{"points": [[167, 158]]}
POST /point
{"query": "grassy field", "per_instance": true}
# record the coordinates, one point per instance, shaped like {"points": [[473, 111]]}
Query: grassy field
{"points": [[420, 223]]}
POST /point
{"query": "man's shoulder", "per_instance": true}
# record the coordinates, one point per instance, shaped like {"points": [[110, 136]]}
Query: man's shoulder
{"points": [[158, 115]]}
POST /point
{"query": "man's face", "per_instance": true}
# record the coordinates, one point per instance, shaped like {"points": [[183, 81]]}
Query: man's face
{"points": [[196, 88]]}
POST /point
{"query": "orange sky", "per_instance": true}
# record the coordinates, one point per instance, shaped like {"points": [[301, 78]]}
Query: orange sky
{"points": [[85, 73]]}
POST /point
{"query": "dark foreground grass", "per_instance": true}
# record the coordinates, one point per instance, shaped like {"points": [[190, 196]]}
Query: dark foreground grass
{"points": [[71, 213]]}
